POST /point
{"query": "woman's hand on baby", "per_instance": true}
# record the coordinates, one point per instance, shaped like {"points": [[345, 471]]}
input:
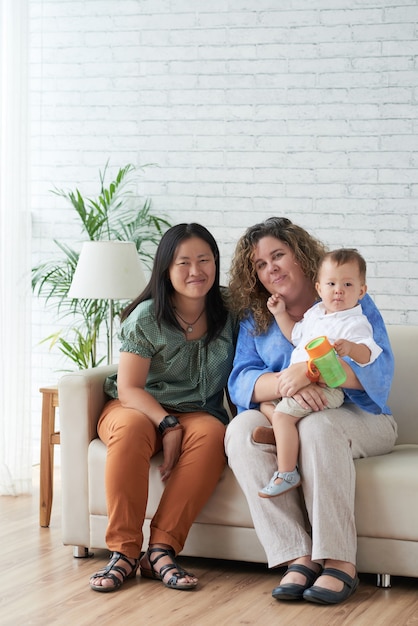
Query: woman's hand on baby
{"points": [[291, 380], [171, 450], [311, 397]]}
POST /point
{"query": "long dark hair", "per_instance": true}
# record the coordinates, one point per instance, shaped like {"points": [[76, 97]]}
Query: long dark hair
{"points": [[159, 288]]}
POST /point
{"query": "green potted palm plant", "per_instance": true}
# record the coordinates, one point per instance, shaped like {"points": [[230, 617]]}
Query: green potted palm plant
{"points": [[113, 215]]}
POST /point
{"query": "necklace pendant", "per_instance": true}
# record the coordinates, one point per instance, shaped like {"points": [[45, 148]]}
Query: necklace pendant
{"points": [[190, 329]]}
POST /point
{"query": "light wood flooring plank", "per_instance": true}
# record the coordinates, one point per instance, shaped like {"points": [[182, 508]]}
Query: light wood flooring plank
{"points": [[42, 584]]}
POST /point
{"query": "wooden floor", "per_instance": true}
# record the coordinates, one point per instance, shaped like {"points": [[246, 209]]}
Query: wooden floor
{"points": [[42, 584]]}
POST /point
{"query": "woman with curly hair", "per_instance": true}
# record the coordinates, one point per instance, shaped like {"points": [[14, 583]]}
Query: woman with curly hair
{"points": [[314, 535]]}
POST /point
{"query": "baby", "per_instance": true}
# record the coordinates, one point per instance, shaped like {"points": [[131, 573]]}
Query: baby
{"points": [[341, 283]]}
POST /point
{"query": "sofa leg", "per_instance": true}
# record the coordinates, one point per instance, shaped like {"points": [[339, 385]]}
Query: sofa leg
{"points": [[80, 552], [383, 580]]}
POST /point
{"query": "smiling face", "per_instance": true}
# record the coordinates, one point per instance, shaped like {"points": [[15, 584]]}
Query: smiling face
{"points": [[340, 286], [193, 269], [278, 271]]}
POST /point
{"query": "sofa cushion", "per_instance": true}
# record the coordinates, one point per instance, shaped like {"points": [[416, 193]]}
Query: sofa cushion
{"points": [[226, 506], [386, 503]]}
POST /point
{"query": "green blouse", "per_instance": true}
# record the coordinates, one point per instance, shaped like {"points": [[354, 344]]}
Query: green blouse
{"points": [[184, 376]]}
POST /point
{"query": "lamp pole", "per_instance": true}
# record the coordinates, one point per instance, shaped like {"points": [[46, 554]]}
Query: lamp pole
{"points": [[110, 334]]}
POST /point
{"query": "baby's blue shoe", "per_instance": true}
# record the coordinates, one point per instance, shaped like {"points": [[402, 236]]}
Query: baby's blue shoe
{"points": [[290, 480]]}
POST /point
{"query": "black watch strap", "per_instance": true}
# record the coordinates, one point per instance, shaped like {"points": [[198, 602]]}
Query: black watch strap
{"points": [[168, 422]]}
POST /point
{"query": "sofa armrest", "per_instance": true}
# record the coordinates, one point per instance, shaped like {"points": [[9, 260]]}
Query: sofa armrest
{"points": [[81, 400]]}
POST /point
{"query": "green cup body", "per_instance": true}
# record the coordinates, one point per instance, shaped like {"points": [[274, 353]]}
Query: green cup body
{"points": [[324, 358]]}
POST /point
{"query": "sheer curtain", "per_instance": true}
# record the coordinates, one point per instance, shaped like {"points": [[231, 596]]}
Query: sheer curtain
{"points": [[15, 292]]}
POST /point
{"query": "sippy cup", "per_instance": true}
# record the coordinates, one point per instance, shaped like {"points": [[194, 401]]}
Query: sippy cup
{"points": [[323, 358]]}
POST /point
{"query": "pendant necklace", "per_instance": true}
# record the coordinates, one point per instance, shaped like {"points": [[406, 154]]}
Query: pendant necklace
{"points": [[189, 324]]}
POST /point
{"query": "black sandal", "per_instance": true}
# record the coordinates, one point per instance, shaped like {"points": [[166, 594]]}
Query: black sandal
{"points": [[106, 573], [321, 595], [292, 591], [177, 574]]}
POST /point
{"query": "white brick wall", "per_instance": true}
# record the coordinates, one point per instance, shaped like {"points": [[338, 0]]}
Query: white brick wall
{"points": [[248, 109]]}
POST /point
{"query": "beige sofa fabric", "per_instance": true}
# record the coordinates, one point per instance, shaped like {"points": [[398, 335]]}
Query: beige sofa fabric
{"points": [[386, 491]]}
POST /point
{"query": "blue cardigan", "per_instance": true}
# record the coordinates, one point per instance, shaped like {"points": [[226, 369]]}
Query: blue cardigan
{"points": [[270, 352]]}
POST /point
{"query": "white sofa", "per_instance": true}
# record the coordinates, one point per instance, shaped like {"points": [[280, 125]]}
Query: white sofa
{"points": [[386, 490]]}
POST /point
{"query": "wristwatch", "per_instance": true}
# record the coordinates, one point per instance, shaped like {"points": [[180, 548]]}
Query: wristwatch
{"points": [[168, 422]]}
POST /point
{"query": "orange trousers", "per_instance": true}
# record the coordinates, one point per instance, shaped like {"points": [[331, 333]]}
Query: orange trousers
{"points": [[132, 440]]}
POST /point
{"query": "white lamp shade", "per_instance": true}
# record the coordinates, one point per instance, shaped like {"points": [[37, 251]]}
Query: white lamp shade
{"points": [[108, 270]]}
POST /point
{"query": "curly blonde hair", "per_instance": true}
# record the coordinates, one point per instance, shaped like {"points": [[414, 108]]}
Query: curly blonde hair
{"points": [[247, 293]]}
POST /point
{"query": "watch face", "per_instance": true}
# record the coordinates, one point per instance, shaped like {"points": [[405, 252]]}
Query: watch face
{"points": [[168, 422]]}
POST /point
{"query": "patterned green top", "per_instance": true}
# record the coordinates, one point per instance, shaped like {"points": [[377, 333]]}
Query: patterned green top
{"points": [[184, 375]]}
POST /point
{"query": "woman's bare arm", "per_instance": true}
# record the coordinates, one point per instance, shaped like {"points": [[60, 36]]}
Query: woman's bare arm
{"points": [[132, 375]]}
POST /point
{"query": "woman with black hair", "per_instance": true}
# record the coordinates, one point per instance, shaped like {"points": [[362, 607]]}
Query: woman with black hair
{"points": [[176, 354]]}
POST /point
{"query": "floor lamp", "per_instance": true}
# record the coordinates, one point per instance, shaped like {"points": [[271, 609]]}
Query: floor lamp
{"points": [[108, 270]]}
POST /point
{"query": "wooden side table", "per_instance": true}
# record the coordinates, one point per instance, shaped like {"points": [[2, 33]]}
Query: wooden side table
{"points": [[49, 438]]}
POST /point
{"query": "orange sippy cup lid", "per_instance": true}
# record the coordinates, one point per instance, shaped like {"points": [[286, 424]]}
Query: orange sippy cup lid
{"points": [[318, 347]]}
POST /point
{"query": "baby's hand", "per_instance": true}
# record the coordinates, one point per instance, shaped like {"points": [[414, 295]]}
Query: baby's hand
{"points": [[275, 304], [342, 347]]}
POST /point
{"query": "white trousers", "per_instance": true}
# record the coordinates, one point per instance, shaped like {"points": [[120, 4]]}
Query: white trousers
{"points": [[321, 523]]}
